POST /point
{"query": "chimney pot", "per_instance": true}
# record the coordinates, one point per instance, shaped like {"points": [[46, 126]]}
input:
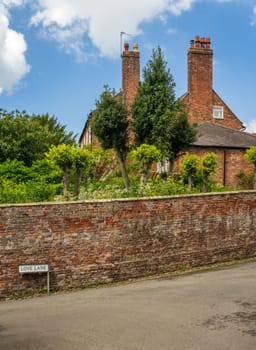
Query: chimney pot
{"points": [[126, 47], [197, 40], [208, 43], [135, 47]]}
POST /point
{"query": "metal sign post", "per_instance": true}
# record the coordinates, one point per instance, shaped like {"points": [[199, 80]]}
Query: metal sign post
{"points": [[40, 268]]}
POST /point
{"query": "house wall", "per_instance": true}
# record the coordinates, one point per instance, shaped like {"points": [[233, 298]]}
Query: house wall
{"points": [[88, 243], [230, 162], [229, 120], [199, 81], [130, 73], [201, 97]]}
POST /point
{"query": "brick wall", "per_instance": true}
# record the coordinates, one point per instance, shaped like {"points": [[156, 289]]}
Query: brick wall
{"points": [[230, 120], [230, 162], [199, 83], [201, 97], [130, 73], [94, 242]]}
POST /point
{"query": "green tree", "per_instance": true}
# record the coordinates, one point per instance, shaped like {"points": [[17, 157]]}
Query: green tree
{"points": [[250, 155], [178, 135], [208, 166], [63, 156], [190, 166], [146, 155], [109, 123], [56, 133], [158, 118], [82, 161], [103, 163], [26, 138]]}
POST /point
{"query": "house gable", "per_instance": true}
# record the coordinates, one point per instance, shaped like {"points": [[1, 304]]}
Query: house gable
{"points": [[202, 103]]}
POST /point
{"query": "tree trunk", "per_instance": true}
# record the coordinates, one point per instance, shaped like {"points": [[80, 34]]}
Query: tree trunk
{"points": [[143, 179], [78, 176], [66, 172], [170, 166], [123, 170], [190, 182]]}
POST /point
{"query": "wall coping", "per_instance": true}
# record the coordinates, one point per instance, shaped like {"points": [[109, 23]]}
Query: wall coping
{"points": [[131, 199]]}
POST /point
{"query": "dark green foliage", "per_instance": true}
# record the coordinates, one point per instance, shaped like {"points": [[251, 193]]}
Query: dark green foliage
{"points": [[109, 123], [22, 184], [180, 134], [31, 191], [56, 133], [155, 96], [250, 155], [197, 171], [26, 138], [146, 155], [244, 182], [158, 118], [14, 170]]}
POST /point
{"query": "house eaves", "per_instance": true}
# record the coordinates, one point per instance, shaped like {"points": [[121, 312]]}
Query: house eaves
{"points": [[215, 135]]}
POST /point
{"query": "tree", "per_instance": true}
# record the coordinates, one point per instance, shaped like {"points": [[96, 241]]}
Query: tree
{"points": [[250, 155], [82, 163], [146, 155], [178, 135], [103, 163], [158, 118], [56, 133], [63, 156], [208, 166], [190, 165], [109, 123], [26, 138]]}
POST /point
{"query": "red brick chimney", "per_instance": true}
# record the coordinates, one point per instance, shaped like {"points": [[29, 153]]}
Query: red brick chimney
{"points": [[130, 72], [200, 93]]}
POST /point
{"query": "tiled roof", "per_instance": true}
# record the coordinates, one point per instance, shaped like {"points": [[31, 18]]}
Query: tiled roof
{"points": [[215, 135]]}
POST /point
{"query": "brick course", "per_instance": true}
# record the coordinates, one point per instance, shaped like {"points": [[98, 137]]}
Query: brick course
{"points": [[230, 162], [201, 97], [95, 242]]}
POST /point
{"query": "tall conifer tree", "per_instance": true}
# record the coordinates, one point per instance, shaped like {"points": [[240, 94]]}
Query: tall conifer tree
{"points": [[158, 118]]}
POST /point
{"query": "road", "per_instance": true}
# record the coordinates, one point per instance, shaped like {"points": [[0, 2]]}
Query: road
{"points": [[203, 311]]}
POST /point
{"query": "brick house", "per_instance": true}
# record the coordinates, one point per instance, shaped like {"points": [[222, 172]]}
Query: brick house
{"points": [[130, 82], [218, 129]]}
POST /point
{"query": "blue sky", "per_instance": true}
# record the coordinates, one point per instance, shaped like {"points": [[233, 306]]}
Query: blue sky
{"points": [[56, 55]]}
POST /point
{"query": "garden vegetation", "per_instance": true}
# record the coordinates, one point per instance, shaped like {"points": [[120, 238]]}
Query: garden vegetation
{"points": [[40, 160]]}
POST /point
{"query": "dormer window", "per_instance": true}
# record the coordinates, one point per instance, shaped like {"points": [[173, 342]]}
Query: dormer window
{"points": [[218, 112]]}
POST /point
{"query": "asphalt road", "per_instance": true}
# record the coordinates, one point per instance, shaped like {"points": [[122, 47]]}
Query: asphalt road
{"points": [[209, 311]]}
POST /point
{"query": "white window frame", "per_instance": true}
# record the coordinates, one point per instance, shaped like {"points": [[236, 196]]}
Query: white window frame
{"points": [[218, 112]]}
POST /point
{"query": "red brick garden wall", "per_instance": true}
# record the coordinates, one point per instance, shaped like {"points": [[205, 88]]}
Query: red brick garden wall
{"points": [[93, 242]]}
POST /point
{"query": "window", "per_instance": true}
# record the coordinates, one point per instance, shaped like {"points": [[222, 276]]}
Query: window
{"points": [[218, 112], [162, 166]]}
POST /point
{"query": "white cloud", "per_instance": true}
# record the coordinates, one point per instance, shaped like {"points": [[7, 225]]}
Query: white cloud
{"points": [[251, 126], [253, 22], [74, 23], [12, 2], [69, 22], [13, 65]]}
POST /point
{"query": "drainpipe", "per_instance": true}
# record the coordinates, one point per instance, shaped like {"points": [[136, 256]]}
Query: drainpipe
{"points": [[224, 167]]}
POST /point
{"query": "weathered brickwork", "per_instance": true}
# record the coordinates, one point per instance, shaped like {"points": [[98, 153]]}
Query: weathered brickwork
{"points": [[230, 162], [130, 73], [229, 120], [199, 84], [96, 242], [201, 97]]}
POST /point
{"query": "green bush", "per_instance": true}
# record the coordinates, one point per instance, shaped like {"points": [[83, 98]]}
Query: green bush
{"points": [[171, 186], [12, 192], [244, 182]]}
